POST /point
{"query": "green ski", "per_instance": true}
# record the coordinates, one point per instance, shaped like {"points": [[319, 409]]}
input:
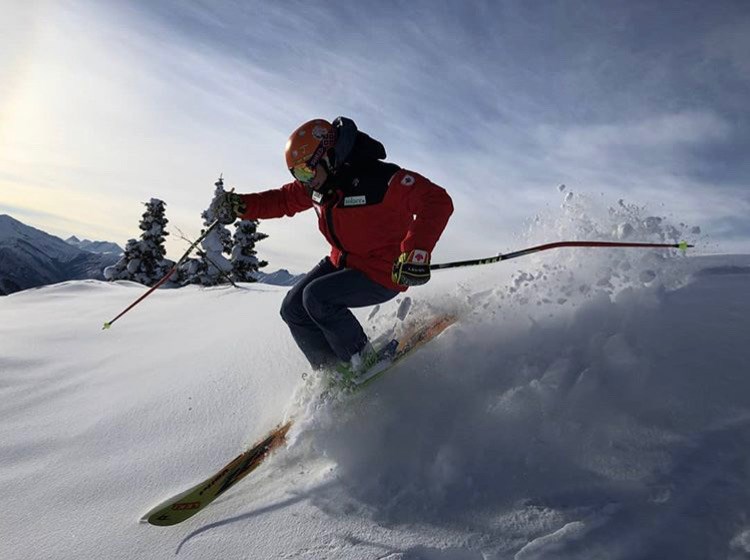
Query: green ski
{"points": [[186, 504]]}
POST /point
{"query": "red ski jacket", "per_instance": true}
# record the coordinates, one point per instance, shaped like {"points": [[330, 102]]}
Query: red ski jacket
{"points": [[377, 212]]}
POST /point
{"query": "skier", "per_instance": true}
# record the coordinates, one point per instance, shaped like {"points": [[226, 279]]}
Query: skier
{"points": [[382, 222]]}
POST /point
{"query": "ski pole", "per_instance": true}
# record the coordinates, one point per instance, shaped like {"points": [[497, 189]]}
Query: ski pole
{"points": [[683, 245], [172, 270]]}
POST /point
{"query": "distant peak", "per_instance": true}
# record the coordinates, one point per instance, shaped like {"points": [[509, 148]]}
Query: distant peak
{"points": [[10, 225]]}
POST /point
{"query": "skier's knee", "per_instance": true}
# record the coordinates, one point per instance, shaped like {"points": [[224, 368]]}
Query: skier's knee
{"points": [[291, 309], [311, 301], [282, 312]]}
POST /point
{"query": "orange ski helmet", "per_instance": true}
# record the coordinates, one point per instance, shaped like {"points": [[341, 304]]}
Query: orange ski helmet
{"points": [[307, 147]]}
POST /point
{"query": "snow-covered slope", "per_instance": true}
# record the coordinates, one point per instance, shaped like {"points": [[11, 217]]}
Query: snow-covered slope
{"points": [[30, 257], [588, 405]]}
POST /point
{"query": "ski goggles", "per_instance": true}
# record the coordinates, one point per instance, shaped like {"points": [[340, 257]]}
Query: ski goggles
{"points": [[303, 172]]}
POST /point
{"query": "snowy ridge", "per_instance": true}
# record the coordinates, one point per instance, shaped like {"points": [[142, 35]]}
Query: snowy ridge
{"points": [[281, 277], [101, 247], [13, 232], [30, 257], [588, 405]]}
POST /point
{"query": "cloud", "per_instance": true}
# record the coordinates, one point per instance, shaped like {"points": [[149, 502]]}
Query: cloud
{"points": [[664, 132], [730, 43], [660, 144], [109, 104]]}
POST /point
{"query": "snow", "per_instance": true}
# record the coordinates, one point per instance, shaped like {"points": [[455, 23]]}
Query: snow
{"points": [[589, 404]]}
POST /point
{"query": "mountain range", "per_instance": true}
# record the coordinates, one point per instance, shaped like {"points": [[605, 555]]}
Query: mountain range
{"points": [[99, 247], [30, 258], [281, 277]]}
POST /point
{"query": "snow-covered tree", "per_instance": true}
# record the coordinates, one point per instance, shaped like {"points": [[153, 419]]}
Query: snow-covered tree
{"points": [[244, 259], [119, 270], [211, 267], [144, 260]]}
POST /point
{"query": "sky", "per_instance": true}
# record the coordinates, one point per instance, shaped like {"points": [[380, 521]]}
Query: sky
{"points": [[106, 104]]}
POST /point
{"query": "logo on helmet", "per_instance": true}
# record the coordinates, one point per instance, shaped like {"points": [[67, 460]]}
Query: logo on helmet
{"points": [[319, 132]]}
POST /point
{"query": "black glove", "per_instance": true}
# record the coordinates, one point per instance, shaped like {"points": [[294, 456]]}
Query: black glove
{"points": [[227, 207], [412, 269]]}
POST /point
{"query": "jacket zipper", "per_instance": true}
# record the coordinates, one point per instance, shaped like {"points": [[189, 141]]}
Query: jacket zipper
{"points": [[328, 211]]}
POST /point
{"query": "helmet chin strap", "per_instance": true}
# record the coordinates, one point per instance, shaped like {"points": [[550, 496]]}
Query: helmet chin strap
{"points": [[323, 194], [326, 191]]}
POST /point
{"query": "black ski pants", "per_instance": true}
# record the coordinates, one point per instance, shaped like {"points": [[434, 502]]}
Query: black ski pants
{"points": [[317, 312]]}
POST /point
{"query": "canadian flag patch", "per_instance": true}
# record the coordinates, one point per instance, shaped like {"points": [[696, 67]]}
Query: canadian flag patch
{"points": [[420, 257]]}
